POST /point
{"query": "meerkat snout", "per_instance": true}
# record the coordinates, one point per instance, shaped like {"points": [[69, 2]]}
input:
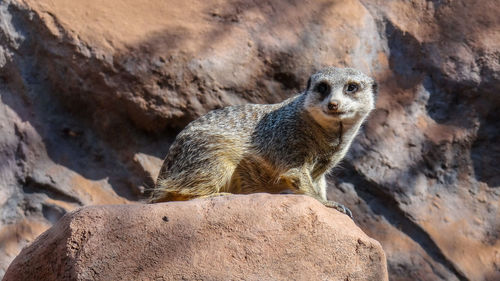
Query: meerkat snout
{"points": [[335, 94], [333, 105]]}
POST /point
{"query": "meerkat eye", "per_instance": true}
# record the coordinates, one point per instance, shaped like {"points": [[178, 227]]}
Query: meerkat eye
{"points": [[323, 88], [351, 88]]}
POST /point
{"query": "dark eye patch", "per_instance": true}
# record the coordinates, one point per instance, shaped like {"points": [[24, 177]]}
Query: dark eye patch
{"points": [[351, 88], [323, 88]]}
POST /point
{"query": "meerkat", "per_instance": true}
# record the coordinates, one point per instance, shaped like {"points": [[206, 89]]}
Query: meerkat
{"points": [[286, 147]]}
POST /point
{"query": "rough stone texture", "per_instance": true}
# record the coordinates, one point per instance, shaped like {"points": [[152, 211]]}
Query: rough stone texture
{"points": [[92, 93], [255, 237]]}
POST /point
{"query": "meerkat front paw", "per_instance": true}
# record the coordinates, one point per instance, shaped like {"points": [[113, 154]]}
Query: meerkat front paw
{"points": [[339, 207], [290, 180]]}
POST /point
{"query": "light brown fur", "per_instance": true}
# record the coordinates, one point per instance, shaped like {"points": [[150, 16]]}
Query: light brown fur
{"points": [[279, 148]]}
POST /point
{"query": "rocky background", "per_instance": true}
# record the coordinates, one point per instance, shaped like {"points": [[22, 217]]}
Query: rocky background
{"points": [[93, 92]]}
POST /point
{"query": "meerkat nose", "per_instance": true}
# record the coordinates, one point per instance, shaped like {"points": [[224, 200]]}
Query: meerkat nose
{"points": [[333, 105]]}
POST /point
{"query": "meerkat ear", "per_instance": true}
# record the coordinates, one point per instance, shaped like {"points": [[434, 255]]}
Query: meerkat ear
{"points": [[308, 83]]}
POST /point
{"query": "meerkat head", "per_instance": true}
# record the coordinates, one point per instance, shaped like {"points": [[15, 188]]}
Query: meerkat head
{"points": [[339, 94]]}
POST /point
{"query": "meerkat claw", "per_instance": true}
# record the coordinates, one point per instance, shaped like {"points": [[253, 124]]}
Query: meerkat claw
{"points": [[339, 207]]}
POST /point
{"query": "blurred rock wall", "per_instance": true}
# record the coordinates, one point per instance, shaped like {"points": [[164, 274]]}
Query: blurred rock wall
{"points": [[93, 92]]}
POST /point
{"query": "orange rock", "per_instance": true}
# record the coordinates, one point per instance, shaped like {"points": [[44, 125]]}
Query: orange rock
{"points": [[245, 237]]}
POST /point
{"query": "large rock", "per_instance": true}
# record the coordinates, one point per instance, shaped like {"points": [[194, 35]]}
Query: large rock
{"points": [[92, 94], [254, 237]]}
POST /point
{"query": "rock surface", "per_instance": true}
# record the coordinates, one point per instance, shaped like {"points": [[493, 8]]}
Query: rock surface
{"points": [[254, 237], [92, 94]]}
